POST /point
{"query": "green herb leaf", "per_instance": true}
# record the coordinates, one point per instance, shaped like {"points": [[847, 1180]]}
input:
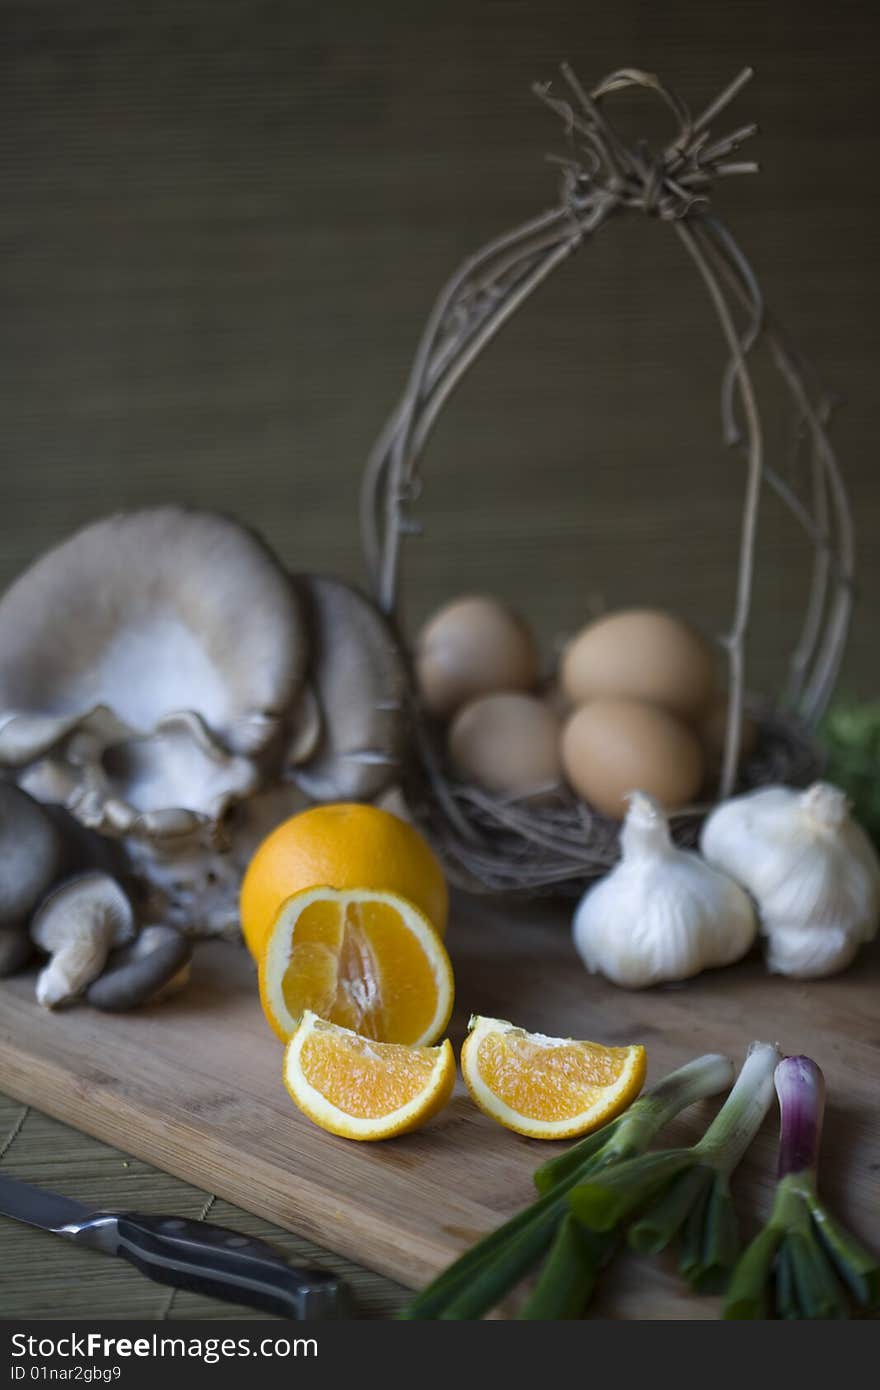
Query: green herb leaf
{"points": [[747, 1291], [570, 1272], [816, 1290], [604, 1201], [859, 1269], [666, 1215], [710, 1244]]}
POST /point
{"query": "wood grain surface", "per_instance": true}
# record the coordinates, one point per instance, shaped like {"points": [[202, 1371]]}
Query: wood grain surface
{"points": [[194, 1086]]}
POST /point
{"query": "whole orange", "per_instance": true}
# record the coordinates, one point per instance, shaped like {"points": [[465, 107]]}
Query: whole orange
{"points": [[340, 846]]}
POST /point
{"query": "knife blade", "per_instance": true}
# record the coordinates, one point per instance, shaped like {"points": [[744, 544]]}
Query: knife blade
{"points": [[184, 1254]]}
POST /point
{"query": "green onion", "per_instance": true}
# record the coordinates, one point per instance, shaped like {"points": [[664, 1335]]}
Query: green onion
{"points": [[803, 1262], [685, 1192], [476, 1281], [569, 1275]]}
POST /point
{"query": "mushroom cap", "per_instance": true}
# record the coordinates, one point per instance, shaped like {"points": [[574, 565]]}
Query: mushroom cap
{"points": [[358, 673], [136, 973], [32, 854], [148, 614], [82, 907]]}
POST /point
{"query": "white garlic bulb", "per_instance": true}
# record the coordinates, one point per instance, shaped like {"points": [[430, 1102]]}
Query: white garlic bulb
{"points": [[811, 869], [662, 914]]}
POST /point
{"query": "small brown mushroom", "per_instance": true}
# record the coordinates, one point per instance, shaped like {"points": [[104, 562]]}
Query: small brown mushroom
{"points": [[32, 854], [142, 971], [16, 949], [78, 925], [359, 676]]}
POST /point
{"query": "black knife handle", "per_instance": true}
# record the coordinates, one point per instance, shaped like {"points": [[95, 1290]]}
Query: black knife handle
{"points": [[225, 1264]]}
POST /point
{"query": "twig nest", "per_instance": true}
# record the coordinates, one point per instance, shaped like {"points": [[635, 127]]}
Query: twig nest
{"points": [[609, 747], [508, 744], [473, 646], [358, 675], [171, 637], [142, 971], [641, 654]]}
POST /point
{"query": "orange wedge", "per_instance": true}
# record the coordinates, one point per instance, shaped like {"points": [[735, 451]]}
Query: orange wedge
{"points": [[548, 1088], [362, 959], [361, 1089]]}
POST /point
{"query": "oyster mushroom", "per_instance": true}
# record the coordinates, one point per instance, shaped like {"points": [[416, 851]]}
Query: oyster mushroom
{"points": [[195, 888], [358, 674], [38, 846], [157, 959], [147, 664], [78, 925], [32, 854]]}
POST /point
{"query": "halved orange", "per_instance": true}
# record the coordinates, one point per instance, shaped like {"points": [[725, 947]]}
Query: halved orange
{"points": [[548, 1088], [345, 845], [365, 960], [362, 1089]]}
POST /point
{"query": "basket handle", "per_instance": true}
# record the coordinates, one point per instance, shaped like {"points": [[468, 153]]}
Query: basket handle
{"points": [[602, 177]]}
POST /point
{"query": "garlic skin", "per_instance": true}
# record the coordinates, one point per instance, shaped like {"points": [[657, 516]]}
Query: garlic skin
{"points": [[662, 914], [811, 869]]}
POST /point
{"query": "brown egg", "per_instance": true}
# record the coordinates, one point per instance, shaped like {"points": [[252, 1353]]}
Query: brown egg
{"points": [[712, 732], [473, 646], [613, 747], [641, 654], [507, 744]]}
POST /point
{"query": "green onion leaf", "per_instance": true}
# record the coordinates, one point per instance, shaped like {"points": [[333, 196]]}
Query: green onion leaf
{"points": [[604, 1201], [710, 1241], [556, 1170], [859, 1269], [493, 1247], [747, 1291], [665, 1216], [570, 1272], [787, 1305], [817, 1292], [494, 1278]]}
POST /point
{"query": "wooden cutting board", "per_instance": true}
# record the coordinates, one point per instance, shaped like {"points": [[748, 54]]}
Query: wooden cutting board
{"points": [[194, 1086]]}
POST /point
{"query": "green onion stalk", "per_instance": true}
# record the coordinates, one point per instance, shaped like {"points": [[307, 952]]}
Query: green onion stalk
{"points": [[684, 1193], [803, 1263], [480, 1278]]}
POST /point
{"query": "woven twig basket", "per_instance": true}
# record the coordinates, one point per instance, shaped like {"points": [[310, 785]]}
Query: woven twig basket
{"points": [[502, 845]]}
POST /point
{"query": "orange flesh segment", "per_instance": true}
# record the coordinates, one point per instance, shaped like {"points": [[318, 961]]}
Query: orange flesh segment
{"points": [[359, 966], [547, 1083], [361, 1081]]}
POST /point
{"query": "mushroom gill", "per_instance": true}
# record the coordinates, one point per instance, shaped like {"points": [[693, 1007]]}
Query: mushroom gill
{"points": [[147, 665]]}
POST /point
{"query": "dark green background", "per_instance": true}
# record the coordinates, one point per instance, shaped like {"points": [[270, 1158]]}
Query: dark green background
{"points": [[223, 223]]}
